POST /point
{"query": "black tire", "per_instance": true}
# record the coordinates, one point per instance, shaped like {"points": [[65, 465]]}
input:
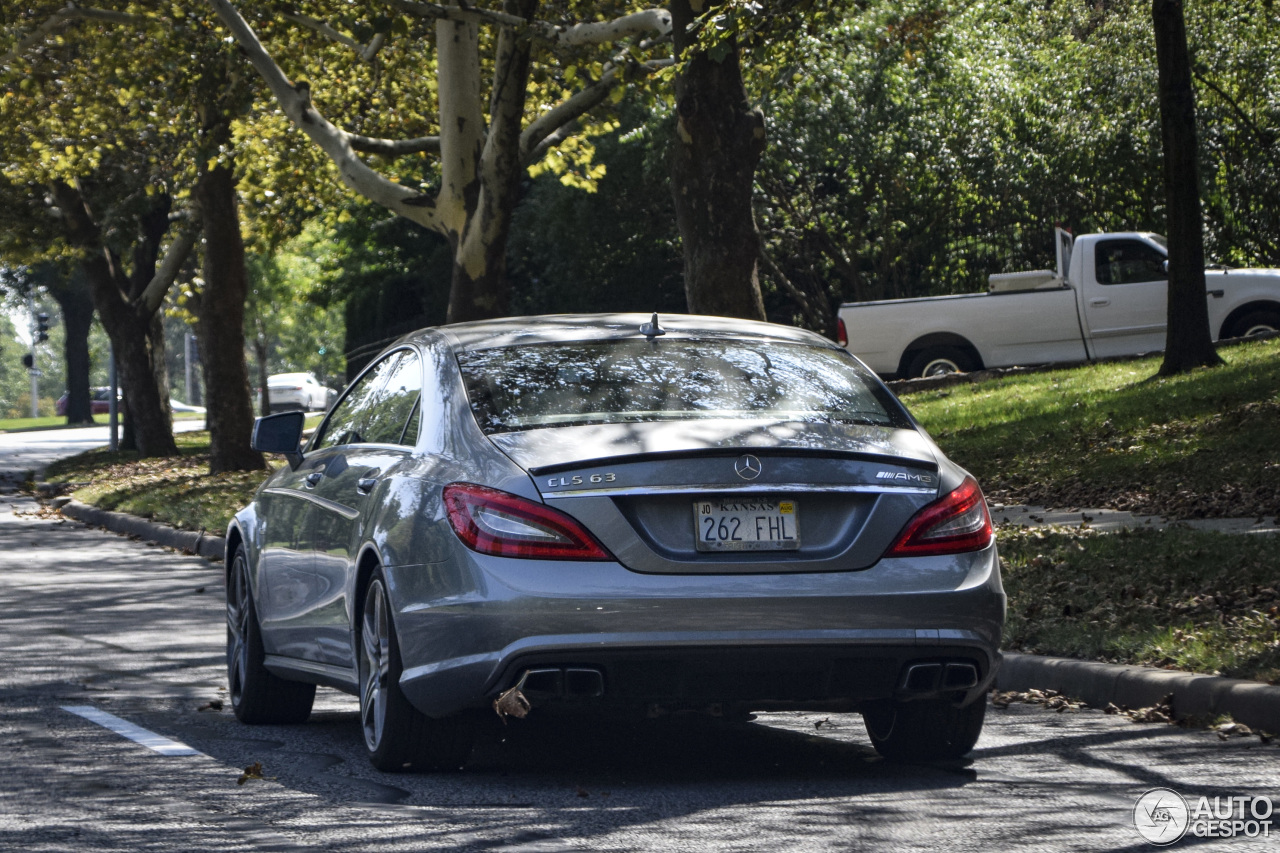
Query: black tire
{"points": [[924, 730], [939, 361], [1256, 323], [257, 696], [398, 736]]}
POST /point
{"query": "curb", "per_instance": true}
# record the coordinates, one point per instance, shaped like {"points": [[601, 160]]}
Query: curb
{"points": [[1253, 703], [208, 546]]}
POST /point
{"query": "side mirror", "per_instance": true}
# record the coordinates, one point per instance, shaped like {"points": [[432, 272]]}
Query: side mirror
{"points": [[280, 433], [1164, 265]]}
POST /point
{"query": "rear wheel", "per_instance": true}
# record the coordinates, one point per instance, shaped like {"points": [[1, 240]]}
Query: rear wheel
{"points": [[939, 361], [257, 696], [398, 735], [924, 730], [1256, 323]]}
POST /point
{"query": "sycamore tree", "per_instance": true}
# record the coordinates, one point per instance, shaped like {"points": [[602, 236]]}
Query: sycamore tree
{"points": [[460, 101]]}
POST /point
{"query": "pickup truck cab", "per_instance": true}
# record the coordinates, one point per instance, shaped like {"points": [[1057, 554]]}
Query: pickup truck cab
{"points": [[1107, 298]]}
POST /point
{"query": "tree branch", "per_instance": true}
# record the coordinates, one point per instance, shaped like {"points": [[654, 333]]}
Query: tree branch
{"points": [[813, 315], [544, 127], [394, 147], [335, 142], [152, 296], [61, 18], [1244, 117], [648, 21], [365, 52], [461, 14]]}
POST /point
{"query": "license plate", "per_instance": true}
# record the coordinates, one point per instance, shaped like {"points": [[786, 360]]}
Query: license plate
{"points": [[746, 524]]}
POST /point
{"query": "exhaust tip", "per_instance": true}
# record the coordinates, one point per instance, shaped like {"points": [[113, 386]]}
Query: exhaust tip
{"points": [[922, 677], [959, 676], [584, 683]]}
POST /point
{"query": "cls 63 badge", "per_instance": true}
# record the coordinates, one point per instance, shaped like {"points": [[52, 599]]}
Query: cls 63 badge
{"points": [[581, 480]]}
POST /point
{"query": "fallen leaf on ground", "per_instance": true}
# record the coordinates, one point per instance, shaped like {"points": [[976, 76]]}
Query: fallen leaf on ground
{"points": [[253, 771]]}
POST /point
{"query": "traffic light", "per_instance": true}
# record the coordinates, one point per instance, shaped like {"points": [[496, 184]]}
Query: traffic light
{"points": [[27, 361], [42, 327]]}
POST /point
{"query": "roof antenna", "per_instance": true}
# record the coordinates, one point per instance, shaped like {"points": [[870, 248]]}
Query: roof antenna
{"points": [[651, 329]]}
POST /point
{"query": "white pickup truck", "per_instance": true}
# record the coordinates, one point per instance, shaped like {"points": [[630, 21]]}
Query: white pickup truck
{"points": [[1108, 298]]}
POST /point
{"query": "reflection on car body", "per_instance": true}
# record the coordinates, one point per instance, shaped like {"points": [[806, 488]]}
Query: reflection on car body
{"points": [[733, 516]]}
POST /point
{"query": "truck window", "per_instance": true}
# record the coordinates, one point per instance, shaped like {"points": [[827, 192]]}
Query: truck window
{"points": [[1128, 262]]}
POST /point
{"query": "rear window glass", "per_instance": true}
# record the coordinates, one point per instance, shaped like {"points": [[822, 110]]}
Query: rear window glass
{"points": [[549, 385]]}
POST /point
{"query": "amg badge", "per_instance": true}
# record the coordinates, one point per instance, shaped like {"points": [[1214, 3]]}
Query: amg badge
{"points": [[924, 479]]}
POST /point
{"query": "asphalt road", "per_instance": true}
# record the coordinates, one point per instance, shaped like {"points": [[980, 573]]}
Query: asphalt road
{"points": [[91, 619]]}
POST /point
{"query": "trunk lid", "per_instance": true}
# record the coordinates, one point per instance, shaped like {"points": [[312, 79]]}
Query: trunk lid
{"points": [[733, 496]]}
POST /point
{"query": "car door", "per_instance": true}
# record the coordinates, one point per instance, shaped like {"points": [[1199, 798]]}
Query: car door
{"points": [[285, 562], [1126, 313], [369, 438]]}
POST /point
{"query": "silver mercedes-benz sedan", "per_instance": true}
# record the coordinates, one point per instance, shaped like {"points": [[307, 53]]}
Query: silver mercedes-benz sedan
{"points": [[616, 512]]}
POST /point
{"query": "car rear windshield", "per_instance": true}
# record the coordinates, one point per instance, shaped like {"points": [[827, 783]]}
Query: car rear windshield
{"points": [[572, 384]]}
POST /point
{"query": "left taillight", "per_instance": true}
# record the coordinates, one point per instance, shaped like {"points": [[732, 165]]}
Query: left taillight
{"points": [[953, 524], [506, 525]]}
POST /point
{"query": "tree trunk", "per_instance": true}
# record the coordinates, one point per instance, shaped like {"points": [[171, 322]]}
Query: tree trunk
{"points": [[134, 329], [480, 289], [76, 302], [718, 143], [482, 297], [139, 347], [220, 326], [1188, 340]]}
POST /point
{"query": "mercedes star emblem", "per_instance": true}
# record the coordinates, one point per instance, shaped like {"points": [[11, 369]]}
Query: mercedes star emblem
{"points": [[748, 467]]}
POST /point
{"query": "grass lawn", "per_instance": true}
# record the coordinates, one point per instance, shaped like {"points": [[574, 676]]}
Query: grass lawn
{"points": [[177, 491], [1206, 444], [24, 424], [60, 422], [1179, 598]]}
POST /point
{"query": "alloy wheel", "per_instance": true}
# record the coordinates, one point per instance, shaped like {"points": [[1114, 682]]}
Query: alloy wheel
{"points": [[375, 664], [238, 615]]}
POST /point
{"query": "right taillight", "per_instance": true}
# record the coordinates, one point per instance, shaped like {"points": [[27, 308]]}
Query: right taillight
{"points": [[953, 524], [507, 525]]}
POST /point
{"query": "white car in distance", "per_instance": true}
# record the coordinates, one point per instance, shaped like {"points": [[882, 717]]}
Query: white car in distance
{"points": [[298, 391]]}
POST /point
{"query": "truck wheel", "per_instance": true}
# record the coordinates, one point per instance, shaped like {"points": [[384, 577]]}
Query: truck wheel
{"points": [[1256, 323], [939, 361], [924, 730]]}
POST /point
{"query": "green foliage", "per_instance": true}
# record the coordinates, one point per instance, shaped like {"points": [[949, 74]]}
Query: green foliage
{"points": [[919, 146], [616, 250], [289, 309], [391, 275]]}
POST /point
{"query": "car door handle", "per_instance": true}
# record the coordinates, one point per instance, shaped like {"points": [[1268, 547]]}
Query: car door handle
{"points": [[314, 477], [1217, 294], [365, 485], [1100, 302]]}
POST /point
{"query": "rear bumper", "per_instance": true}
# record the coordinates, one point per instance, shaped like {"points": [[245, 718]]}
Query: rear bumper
{"points": [[758, 641]]}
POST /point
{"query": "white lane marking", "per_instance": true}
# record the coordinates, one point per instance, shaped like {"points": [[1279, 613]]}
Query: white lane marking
{"points": [[137, 734]]}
